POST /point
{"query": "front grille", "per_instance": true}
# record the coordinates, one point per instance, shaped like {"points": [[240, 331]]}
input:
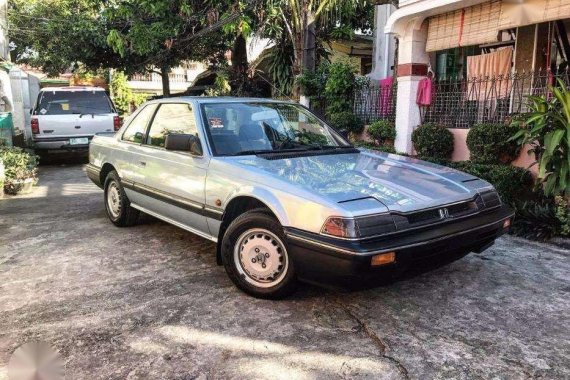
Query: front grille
{"points": [[423, 216], [426, 217]]}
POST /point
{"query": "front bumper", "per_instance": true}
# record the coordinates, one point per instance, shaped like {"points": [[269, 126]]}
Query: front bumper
{"points": [[328, 260]]}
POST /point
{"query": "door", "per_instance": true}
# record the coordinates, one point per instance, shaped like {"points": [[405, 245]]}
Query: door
{"points": [[176, 180], [129, 159], [72, 113]]}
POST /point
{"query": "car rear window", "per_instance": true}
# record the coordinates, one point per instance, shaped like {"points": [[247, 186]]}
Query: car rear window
{"points": [[73, 102]]}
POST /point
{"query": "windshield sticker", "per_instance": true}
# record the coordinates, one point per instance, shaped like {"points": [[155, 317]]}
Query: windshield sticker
{"points": [[43, 111], [216, 122]]}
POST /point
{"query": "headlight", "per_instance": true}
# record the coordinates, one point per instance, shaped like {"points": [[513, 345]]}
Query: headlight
{"points": [[340, 227], [361, 227]]}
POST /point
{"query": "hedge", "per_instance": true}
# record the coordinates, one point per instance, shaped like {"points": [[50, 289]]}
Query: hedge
{"points": [[489, 143], [431, 140]]}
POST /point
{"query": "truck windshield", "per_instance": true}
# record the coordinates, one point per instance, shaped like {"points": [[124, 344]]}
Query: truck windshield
{"points": [[73, 102], [251, 128]]}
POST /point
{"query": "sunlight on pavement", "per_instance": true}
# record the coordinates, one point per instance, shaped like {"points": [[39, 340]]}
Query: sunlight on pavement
{"points": [[270, 356]]}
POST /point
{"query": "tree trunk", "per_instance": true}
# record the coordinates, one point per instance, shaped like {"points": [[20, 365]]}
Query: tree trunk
{"points": [[164, 71], [309, 44], [240, 67]]}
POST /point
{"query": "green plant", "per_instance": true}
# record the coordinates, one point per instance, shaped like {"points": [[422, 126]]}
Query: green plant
{"points": [[535, 219], [563, 214], [431, 140], [382, 131], [547, 130], [346, 121], [313, 82], [123, 96], [379, 148], [339, 88], [18, 165], [490, 143]]}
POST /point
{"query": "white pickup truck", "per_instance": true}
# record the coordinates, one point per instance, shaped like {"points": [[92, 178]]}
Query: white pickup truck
{"points": [[67, 118]]}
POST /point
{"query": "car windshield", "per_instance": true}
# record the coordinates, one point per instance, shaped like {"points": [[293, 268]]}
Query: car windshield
{"points": [[251, 128], [73, 102]]}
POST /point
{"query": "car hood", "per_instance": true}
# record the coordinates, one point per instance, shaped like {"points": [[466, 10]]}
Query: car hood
{"points": [[400, 183]]}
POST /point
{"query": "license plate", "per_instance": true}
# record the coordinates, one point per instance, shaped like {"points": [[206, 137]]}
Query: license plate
{"points": [[79, 141]]}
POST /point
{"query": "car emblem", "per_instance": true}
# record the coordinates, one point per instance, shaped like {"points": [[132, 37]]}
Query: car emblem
{"points": [[443, 213]]}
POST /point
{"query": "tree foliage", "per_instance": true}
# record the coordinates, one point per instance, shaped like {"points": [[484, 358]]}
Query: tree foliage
{"points": [[58, 35]]}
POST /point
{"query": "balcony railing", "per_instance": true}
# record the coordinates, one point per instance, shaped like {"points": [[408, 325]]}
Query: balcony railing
{"points": [[153, 77], [460, 103]]}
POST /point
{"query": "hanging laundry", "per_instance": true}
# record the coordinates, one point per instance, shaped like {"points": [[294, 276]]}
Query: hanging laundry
{"points": [[426, 92], [385, 98], [488, 75]]}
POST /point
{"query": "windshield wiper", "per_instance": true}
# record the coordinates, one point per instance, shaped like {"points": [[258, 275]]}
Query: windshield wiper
{"points": [[323, 147], [265, 151]]}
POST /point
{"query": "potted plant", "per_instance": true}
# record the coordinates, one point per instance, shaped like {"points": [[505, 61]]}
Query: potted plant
{"points": [[20, 170]]}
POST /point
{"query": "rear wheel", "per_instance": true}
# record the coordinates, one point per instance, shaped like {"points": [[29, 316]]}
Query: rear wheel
{"points": [[117, 204], [254, 253]]}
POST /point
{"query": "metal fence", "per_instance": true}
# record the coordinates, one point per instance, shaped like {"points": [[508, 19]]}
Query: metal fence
{"points": [[369, 102], [460, 103]]}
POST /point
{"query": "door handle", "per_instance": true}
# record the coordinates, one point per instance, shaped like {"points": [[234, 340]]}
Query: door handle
{"points": [[142, 163]]}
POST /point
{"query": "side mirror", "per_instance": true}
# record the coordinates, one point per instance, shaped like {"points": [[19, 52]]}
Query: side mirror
{"points": [[184, 143]]}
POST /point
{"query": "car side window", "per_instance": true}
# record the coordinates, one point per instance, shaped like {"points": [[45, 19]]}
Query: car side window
{"points": [[171, 118], [137, 127]]}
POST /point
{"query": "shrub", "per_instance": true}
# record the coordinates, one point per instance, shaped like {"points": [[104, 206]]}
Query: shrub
{"points": [[339, 87], [563, 215], [18, 165], [490, 143], [382, 131], [431, 140], [379, 148], [512, 183], [346, 121], [535, 219]]}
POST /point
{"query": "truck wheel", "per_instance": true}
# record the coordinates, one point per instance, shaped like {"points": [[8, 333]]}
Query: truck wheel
{"points": [[118, 206], [254, 253]]}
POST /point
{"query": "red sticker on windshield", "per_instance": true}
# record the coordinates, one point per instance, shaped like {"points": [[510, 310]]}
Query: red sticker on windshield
{"points": [[216, 122]]}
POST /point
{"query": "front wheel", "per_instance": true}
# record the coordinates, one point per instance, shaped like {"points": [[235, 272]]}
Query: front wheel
{"points": [[255, 256]]}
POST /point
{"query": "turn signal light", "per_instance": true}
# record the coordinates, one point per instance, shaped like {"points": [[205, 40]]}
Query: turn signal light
{"points": [[383, 259], [35, 126]]}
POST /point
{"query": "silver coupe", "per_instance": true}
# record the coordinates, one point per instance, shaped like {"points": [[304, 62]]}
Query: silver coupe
{"points": [[286, 197]]}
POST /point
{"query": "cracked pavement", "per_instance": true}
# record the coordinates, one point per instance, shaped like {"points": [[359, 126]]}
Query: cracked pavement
{"points": [[149, 302]]}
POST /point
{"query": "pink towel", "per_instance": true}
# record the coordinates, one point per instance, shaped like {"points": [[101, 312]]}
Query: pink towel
{"points": [[385, 99], [425, 92]]}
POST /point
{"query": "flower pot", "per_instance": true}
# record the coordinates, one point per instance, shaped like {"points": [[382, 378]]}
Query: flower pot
{"points": [[19, 186]]}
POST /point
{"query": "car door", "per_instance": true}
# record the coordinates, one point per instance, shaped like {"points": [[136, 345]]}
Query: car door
{"points": [[129, 159], [176, 180]]}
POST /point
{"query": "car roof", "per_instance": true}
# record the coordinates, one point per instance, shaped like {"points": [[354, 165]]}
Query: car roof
{"points": [[218, 99], [72, 88]]}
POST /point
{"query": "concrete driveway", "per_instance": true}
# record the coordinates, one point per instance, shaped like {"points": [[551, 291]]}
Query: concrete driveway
{"points": [[149, 302]]}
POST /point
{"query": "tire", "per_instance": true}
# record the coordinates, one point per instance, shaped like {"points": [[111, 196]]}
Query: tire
{"points": [[117, 204], [256, 258]]}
